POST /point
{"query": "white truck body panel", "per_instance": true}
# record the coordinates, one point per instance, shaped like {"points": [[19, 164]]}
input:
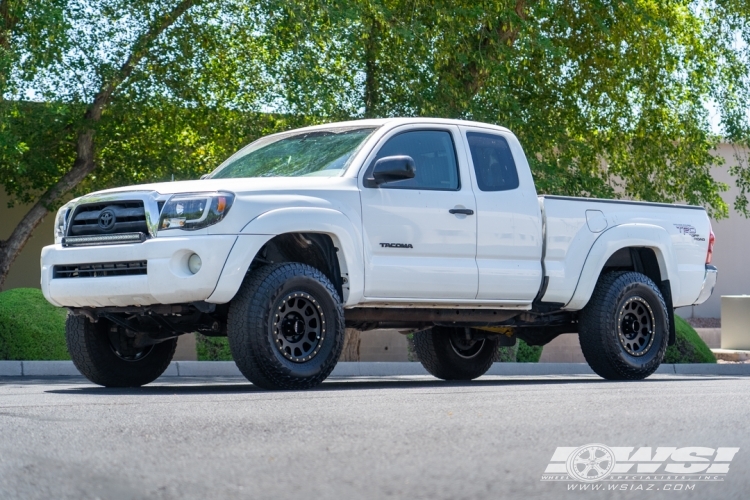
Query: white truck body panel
{"points": [[497, 257], [509, 233], [571, 245], [443, 246]]}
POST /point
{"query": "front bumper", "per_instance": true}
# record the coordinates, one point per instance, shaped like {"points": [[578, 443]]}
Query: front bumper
{"points": [[167, 281], [709, 282]]}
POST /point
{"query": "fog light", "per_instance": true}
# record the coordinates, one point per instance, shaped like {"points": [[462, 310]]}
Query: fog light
{"points": [[194, 263]]}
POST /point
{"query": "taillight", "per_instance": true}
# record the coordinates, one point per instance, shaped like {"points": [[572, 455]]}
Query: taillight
{"points": [[710, 252]]}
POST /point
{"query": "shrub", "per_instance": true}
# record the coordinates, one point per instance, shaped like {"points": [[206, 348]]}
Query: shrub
{"points": [[528, 353], [688, 346], [212, 348], [30, 327], [506, 354]]}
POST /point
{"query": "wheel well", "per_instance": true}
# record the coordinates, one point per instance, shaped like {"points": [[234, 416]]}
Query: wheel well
{"points": [[314, 249], [641, 260], [644, 261]]}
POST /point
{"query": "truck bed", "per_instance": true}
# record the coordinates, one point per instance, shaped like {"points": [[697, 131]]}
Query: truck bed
{"points": [[578, 232]]}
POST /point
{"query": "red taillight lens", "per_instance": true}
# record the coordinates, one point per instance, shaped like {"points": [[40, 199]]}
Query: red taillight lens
{"points": [[710, 252]]}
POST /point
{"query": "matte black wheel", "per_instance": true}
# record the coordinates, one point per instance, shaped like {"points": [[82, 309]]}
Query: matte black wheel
{"points": [[624, 328], [105, 355], [286, 327], [447, 354]]}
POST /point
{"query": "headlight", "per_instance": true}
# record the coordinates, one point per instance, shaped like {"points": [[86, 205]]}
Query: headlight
{"points": [[61, 221], [195, 210]]}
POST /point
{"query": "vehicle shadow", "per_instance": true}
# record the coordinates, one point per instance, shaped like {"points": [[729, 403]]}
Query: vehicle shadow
{"points": [[235, 385]]}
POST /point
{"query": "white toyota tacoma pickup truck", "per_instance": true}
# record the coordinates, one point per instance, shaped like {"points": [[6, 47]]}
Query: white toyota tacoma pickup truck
{"points": [[424, 225]]}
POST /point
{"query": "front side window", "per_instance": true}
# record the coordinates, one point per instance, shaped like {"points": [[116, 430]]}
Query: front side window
{"points": [[434, 156], [493, 162], [321, 152]]}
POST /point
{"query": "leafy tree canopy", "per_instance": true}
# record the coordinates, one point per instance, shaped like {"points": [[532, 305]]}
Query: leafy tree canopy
{"points": [[610, 98]]}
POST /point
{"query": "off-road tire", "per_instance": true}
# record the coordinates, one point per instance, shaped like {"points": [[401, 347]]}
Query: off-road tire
{"points": [[251, 328], [92, 353], [439, 357], [600, 326]]}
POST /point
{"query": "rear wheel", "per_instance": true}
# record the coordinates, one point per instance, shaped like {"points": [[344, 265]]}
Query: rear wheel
{"points": [[286, 327], [448, 354], [624, 328], [106, 356]]}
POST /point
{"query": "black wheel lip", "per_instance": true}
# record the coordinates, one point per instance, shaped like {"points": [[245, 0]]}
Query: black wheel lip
{"points": [[620, 317], [275, 320]]}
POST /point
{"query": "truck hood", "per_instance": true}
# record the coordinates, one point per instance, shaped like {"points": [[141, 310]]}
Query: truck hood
{"points": [[241, 186]]}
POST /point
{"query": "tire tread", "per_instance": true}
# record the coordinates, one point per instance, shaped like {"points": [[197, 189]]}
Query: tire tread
{"points": [[247, 323], [597, 320]]}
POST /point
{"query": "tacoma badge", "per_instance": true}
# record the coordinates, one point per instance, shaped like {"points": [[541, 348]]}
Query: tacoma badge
{"points": [[396, 245]]}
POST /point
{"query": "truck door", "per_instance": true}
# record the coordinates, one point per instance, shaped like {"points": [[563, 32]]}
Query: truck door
{"points": [[509, 232], [420, 233]]}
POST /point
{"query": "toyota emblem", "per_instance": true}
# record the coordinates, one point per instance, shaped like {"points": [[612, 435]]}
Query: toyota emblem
{"points": [[107, 219]]}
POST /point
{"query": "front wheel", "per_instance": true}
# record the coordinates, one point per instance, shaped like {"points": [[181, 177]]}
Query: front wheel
{"points": [[624, 329], [448, 354], [105, 355], [286, 327]]}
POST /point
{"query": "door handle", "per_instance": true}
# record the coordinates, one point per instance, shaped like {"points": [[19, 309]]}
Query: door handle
{"points": [[461, 211]]}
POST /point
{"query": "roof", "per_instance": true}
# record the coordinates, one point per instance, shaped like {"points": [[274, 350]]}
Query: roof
{"points": [[379, 122]]}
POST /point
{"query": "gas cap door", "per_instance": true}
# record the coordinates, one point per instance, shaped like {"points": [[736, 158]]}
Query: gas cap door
{"points": [[596, 221]]}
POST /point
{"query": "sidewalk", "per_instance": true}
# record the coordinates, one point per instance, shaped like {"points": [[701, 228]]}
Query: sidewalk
{"points": [[363, 369]]}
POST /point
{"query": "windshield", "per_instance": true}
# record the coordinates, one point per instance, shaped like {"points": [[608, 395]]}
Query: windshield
{"points": [[324, 153]]}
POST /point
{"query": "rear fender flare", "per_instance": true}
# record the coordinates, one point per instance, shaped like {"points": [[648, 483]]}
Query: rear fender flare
{"points": [[616, 238]]}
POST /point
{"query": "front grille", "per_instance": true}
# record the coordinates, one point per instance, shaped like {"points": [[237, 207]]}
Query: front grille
{"points": [[112, 217], [101, 270]]}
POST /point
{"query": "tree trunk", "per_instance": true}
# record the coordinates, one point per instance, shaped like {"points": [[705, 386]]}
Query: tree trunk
{"points": [[351, 345], [372, 51], [84, 163]]}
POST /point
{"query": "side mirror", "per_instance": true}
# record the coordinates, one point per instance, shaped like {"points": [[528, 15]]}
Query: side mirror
{"points": [[390, 169]]}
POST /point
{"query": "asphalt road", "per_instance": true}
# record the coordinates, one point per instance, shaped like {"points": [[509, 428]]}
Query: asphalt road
{"points": [[355, 438]]}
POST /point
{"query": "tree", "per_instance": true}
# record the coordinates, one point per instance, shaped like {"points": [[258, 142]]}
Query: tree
{"points": [[94, 65], [608, 97], [584, 84]]}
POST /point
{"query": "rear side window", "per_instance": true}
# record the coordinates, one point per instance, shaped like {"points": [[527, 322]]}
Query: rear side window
{"points": [[493, 162], [434, 156]]}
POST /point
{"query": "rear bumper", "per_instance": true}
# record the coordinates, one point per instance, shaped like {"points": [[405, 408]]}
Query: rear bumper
{"points": [[709, 282], [167, 281]]}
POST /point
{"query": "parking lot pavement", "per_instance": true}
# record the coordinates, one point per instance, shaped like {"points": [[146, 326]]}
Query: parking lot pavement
{"points": [[388, 437]]}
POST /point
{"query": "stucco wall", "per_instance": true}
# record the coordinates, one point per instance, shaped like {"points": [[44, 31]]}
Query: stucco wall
{"points": [[25, 272], [732, 247]]}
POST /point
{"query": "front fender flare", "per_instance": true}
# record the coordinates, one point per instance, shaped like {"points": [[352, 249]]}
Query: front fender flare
{"points": [[345, 235]]}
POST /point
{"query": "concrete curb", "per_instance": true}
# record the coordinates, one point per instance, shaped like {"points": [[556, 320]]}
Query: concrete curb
{"points": [[364, 369]]}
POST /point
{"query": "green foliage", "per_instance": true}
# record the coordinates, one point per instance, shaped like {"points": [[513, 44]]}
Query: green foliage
{"points": [[30, 327], [139, 143], [506, 354], [688, 347], [527, 353], [582, 83], [519, 353], [212, 348]]}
